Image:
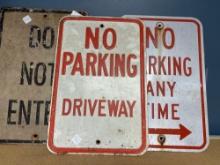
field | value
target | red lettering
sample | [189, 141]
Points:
[131, 69]
[161, 66]
[92, 64]
[101, 107]
[77, 104]
[131, 107]
[152, 110]
[102, 64]
[150, 36]
[171, 86]
[174, 111]
[98, 108]
[122, 110]
[113, 107]
[152, 65]
[167, 65]
[85, 107]
[67, 60]
[160, 86]
[187, 70]
[172, 38]
[91, 60]
[120, 65]
[106, 33]
[90, 36]
[177, 65]
[111, 70]
[92, 106]
[150, 88]
[66, 107]
[155, 37]
[78, 65]
[162, 111]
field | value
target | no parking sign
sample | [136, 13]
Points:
[98, 99]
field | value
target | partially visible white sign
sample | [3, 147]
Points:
[75, 13]
[98, 100]
[175, 84]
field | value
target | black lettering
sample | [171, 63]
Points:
[26, 72]
[36, 72]
[42, 77]
[23, 111]
[48, 41]
[52, 70]
[10, 112]
[47, 110]
[38, 103]
[34, 41]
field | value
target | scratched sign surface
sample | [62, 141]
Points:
[175, 84]
[98, 103]
[26, 67]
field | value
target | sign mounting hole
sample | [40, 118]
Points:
[161, 139]
[160, 25]
[101, 26]
[35, 136]
[98, 142]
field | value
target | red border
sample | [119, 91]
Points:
[200, 52]
[51, 145]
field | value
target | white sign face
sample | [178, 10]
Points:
[98, 99]
[175, 84]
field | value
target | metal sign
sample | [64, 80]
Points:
[175, 84]
[98, 100]
[27, 62]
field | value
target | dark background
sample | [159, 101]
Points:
[208, 12]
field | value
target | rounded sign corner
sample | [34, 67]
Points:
[51, 147]
[196, 21]
[204, 145]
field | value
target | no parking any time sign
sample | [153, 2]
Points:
[98, 99]
[175, 84]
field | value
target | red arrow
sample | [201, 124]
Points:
[182, 131]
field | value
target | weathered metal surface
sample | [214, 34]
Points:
[27, 49]
[176, 88]
[98, 103]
